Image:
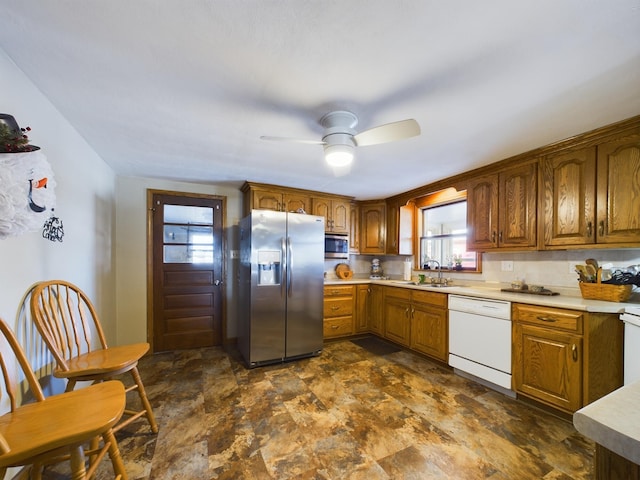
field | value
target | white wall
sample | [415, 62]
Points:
[131, 250]
[85, 203]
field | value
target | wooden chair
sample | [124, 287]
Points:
[56, 428]
[69, 325]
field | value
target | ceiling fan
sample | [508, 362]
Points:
[339, 138]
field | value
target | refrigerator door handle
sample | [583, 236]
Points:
[289, 266]
[285, 267]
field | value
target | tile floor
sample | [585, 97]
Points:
[352, 413]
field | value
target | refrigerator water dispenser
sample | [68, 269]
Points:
[268, 267]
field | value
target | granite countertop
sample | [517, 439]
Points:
[613, 421]
[493, 291]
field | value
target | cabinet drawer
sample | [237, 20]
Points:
[338, 291]
[338, 307]
[569, 320]
[398, 292]
[430, 298]
[336, 327]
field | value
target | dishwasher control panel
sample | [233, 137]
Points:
[481, 306]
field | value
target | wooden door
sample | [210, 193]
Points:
[517, 213]
[618, 214]
[376, 309]
[322, 207]
[354, 228]
[372, 228]
[340, 212]
[429, 331]
[294, 202]
[362, 308]
[482, 213]
[547, 366]
[569, 198]
[267, 200]
[397, 316]
[392, 227]
[187, 270]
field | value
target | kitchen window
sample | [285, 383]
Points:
[442, 230]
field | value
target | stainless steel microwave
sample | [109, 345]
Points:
[336, 246]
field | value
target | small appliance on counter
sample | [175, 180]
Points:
[376, 269]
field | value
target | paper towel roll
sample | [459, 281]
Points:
[407, 271]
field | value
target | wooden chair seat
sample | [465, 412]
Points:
[69, 325]
[66, 419]
[104, 362]
[57, 428]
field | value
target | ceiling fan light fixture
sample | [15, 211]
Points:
[338, 155]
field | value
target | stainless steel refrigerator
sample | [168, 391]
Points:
[281, 286]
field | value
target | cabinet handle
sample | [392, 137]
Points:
[574, 352]
[500, 236]
[493, 237]
[406, 312]
[335, 308]
[546, 319]
[334, 327]
[601, 228]
[589, 229]
[335, 292]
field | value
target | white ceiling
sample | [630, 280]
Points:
[183, 89]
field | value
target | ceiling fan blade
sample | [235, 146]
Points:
[292, 140]
[389, 132]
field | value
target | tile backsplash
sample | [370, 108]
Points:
[548, 268]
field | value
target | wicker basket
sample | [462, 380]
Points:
[605, 291]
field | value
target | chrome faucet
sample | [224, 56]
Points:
[439, 269]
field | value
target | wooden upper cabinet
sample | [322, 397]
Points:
[568, 198]
[354, 228]
[517, 202]
[591, 196]
[336, 212]
[618, 191]
[372, 228]
[482, 213]
[393, 227]
[280, 200]
[501, 209]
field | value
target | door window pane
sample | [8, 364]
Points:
[189, 215]
[188, 234]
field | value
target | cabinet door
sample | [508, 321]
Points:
[340, 214]
[482, 213]
[362, 308]
[397, 320]
[517, 213]
[392, 227]
[569, 198]
[372, 229]
[618, 191]
[376, 309]
[266, 200]
[429, 332]
[293, 202]
[354, 228]
[547, 366]
[322, 207]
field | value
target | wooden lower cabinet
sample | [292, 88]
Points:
[363, 303]
[611, 466]
[564, 358]
[376, 310]
[429, 324]
[418, 320]
[339, 302]
[397, 315]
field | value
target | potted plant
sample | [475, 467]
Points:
[457, 260]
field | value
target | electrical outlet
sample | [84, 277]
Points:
[507, 266]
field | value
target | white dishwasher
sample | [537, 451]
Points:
[480, 339]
